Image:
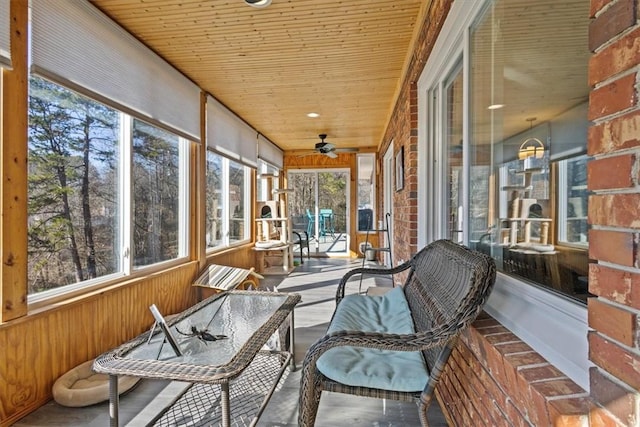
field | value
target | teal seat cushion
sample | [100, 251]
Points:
[402, 371]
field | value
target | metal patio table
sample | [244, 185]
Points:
[248, 319]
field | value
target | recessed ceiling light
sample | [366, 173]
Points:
[258, 3]
[313, 115]
[495, 106]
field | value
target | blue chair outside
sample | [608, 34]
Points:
[326, 222]
[310, 223]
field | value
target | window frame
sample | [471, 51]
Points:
[125, 214]
[262, 184]
[553, 325]
[562, 207]
[373, 191]
[225, 241]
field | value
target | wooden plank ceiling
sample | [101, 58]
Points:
[343, 59]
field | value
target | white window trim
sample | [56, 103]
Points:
[125, 221]
[563, 194]
[552, 325]
[184, 202]
[373, 192]
[225, 241]
[5, 34]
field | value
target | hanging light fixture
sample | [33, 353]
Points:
[258, 3]
[531, 147]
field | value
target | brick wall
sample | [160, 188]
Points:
[614, 211]
[493, 378]
[402, 131]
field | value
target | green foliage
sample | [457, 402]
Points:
[72, 150]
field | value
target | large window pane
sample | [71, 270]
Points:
[453, 141]
[366, 191]
[237, 202]
[214, 202]
[572, 182]
[156, 194]
[73, 233]
[227, 204]
[264, 185]
[527, 110]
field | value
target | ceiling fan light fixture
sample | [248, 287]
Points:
[258, 3]
[531, 147]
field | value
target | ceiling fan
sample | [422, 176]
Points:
[328, 149]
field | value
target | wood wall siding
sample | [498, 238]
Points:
[39, 347]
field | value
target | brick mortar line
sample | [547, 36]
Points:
[530, 366]
[615, 38]
[617, 114]
[615, 304]
[615, 380]
[618, 267]
[609, 191]
[616, 153]
[567, 396]
[604, 227]
[604, 8]
[617, 76]
[632, 350]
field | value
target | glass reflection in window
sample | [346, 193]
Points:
[527, 207]
[156, 194]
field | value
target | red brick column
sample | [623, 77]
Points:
[614, 211]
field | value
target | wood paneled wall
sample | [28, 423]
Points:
[38, 348]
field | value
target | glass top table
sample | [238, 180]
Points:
[247, 319]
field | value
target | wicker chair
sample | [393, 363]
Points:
[446, 288]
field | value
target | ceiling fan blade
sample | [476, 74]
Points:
[331, 154]
[310, 153]
[346, 150]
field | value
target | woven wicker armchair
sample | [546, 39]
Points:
[446, 288]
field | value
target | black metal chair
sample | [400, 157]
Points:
[302, 241]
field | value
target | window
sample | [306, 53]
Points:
[453, 140]
[73, 181]
[503, 124]
[89, 171]
[265, 187]
[239, 207]
[228, 206]
[572, 209]
[518, 130]
[366, 191]
[214, 202]
[156, 195]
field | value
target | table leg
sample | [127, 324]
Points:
[225, 405]
[292, 343]
[113, 401]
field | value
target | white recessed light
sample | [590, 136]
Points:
[258, 3]
[495, 106]
[313, 115]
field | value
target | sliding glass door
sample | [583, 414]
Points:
[318, 205]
